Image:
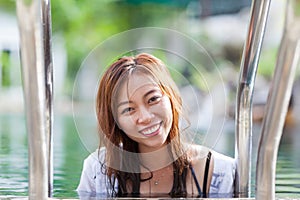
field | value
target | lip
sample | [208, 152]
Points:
[151, 130]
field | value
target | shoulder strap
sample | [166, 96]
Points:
[195, 179]
[206, 174]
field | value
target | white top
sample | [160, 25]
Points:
[94, 182]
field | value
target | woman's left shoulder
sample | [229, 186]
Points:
[222, 159]
[197, 152]
[224, 172]
[221, 162]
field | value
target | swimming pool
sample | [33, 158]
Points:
[69, 153]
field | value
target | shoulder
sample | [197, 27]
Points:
[97, 157]
[92, 165]
[223, 174]
[201, 160]
[197, 152]
[224, 164]
[222, 169]
[222, 159]
[92, 173]
[221, 162]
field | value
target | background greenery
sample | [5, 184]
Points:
[84, 24]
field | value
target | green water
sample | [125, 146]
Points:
[69, 152]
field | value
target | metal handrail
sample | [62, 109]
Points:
[243, 116]
[35, 38]
[277, 104]
[46, 19]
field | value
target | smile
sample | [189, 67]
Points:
[153, 130]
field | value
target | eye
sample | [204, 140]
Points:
[127, 110]
[154, 99]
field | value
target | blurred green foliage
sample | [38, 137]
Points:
[8, 5]
[84, 25]
[267, 63]
[4, 59]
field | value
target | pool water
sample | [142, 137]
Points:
[69, 153]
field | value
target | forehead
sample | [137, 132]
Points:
[136, 84]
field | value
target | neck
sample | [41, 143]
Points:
[156, 160]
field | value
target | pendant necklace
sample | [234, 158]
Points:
[155, 181]
[159, 178]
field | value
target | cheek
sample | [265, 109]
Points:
[125, 123]
[165, 110]
[168, 107]
[121, 123]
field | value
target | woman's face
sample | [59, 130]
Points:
[144, 113]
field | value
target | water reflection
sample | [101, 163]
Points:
[68, 156]
[69, 153]
[287, 172]
[13, 156]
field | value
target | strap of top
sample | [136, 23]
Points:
[195, 179]
[206, 174]
[204, 194]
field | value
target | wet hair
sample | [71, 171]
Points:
[120, 166]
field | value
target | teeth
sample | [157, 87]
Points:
[151, 130]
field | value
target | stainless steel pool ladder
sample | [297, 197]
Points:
[35, 31]
[34, 20]
[277, 103]
[243, 116]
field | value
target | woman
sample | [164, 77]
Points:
[138, 110]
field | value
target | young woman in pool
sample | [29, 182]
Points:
[138, 110]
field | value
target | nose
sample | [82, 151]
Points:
[144, 115]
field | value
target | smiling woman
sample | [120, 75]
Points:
[146, 113]
[139, 109]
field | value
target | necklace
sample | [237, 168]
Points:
[159, 175]
[156, 177]
[156, 181]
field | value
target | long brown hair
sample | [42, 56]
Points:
[117, 143]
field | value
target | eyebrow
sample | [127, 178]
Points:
[150, 91]
[127, 102]
[123, 103]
